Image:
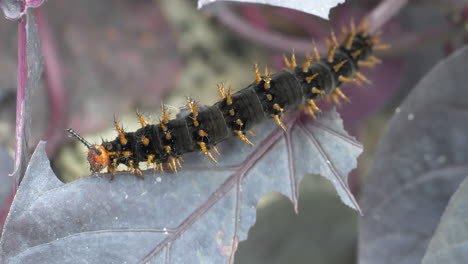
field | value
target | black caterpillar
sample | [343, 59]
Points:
[269, 96]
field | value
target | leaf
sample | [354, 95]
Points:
[449, 243]
[12, 9]
[6, 182]
[194, 216]
[418, 166]
[318, 8]
[7, 185]
[29, 74]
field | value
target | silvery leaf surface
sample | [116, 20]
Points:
[320, 8]
[197, 215]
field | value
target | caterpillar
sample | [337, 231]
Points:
[268, 96]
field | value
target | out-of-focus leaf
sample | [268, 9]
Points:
[6, 182]
[7, 185]
[450, 241]
[12, 8]
[320, 8]
[197, 215]
[29, 74]
[418, 166]
[91, 43]
[365, 100]
[324, 230]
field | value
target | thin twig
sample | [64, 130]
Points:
[274, 41]
[385, 11]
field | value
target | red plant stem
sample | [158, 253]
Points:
[306, 22]
[256, 18]
[54, 78]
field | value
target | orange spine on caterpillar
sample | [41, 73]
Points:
[268, 96]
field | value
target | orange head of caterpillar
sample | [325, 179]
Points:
[98, 157]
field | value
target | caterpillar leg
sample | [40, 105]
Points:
[335, 98]
[112, 171]
[278, 121]
[178, 162]
[276, 117]
[149, 161]
[336, 95]
[138, 173]
[112, 168]
[308, 110]
[241, 135]
[159, 167]
[311, 108]
[339, 93]
[204, 149]
[312, 104]
[172, 163]
[216, 151]
[135, 170]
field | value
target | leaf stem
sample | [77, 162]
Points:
[20, 135]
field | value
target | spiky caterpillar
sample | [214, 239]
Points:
[269, 96]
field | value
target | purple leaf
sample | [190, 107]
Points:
[29, 74]
[418, 166]
[197, 215]
[320, 8]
